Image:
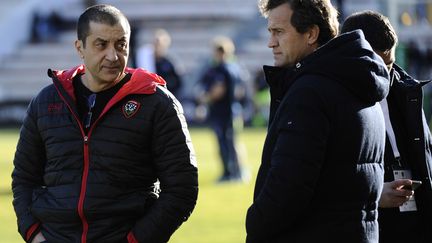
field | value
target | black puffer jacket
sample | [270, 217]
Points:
[322, 164]
[414, 143]
[99, 187]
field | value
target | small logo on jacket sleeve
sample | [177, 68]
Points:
[130, 108]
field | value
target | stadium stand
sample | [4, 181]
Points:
[191, 23]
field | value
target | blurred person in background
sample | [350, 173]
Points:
[154, 57]
[163, 64]
[403, 215]
[104, 153]
[223, 88]
[261, 100]
[322, 171]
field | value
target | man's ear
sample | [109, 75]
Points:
[79, 47]
[313, 34]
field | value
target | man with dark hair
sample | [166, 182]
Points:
[322, 164]
[104, 153]
[403, 216]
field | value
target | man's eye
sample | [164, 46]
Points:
[100, 45]
[122, 45]
[275, 32]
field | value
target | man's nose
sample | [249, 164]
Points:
[111, 54]
[271, 42]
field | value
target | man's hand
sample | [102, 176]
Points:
[393, 195]
[38, 238]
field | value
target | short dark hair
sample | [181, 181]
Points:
[306, 14]
[376, 28]
[102, 13]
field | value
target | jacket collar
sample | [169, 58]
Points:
[279, 79]
[141, 82]
[398, 76]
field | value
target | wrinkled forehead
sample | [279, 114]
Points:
[107, 31]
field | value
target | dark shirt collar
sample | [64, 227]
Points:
[82, 94]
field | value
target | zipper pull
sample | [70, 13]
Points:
[85, 139]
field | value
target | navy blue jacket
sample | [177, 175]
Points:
[99, 186]
[414, 143]
[220, 110]
[321, 172]
[165, 68]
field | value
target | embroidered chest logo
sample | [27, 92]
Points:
[55, 108]
[130, 108]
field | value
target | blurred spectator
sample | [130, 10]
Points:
[48, 21]
[145, 58]
[261, 100]
[163, 64]
[222, 92]
[46, 26]
[133, 44]
[154, 58]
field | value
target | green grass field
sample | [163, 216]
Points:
[221, 208]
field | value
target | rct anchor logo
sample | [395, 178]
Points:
[130, 108]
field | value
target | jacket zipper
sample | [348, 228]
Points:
[85, 170]
[83, 191]
[86, 138]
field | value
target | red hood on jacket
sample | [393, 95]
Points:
[141, 82]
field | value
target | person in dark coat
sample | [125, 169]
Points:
[104, 154]
[220, 81]
[163, 64]
[321, 171]
[405, 215]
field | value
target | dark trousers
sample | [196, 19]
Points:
[226, 138]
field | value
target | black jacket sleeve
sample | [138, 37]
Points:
[175, 163]
[28, 170]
